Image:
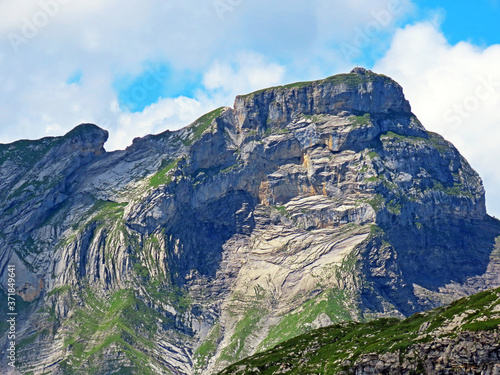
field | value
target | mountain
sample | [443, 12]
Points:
[461, 338]
[303, 206]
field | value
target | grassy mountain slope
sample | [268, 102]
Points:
[401, 345]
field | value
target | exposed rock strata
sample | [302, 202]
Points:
[303, 205]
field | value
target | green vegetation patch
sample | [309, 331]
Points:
[351, 80]
[59, 290]
[209, 346]
[202, 124]
[274, 131]
[124, 321]
[488, 325]
[373, 154]
[313, 118]
[330, 302]
[101, 212]
[358, 121]
[457, 189]
[376, 202]
[373, 179]
[107, 208]
[163, 176]
[282, 210]
[245, 327]
[439, 142]
[394, 137]
[394, 207]
[27, 152]
[231, 168]
[320, 351]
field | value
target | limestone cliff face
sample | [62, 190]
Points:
[301, 206]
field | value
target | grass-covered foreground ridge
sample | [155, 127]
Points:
[342, 347]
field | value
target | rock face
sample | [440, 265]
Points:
[468, 353]
[302, 206]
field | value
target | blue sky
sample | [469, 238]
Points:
[473, 21]
[157, 80]
[139, 67]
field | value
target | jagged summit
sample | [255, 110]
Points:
[302, 206]
[88, 133]
[86, 128]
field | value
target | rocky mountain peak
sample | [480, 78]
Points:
[361, 71]
[88, 137]
[356, 93]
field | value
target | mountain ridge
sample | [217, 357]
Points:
[300, 207]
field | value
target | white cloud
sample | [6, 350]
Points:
[14, 13]
[222, 82]
[455, 91]
[248, 72]
[165, 114]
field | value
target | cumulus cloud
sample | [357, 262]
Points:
[169, 113]
[455, 91]
[248, 72]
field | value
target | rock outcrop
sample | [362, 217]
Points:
[302, 206]
[467, 353]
